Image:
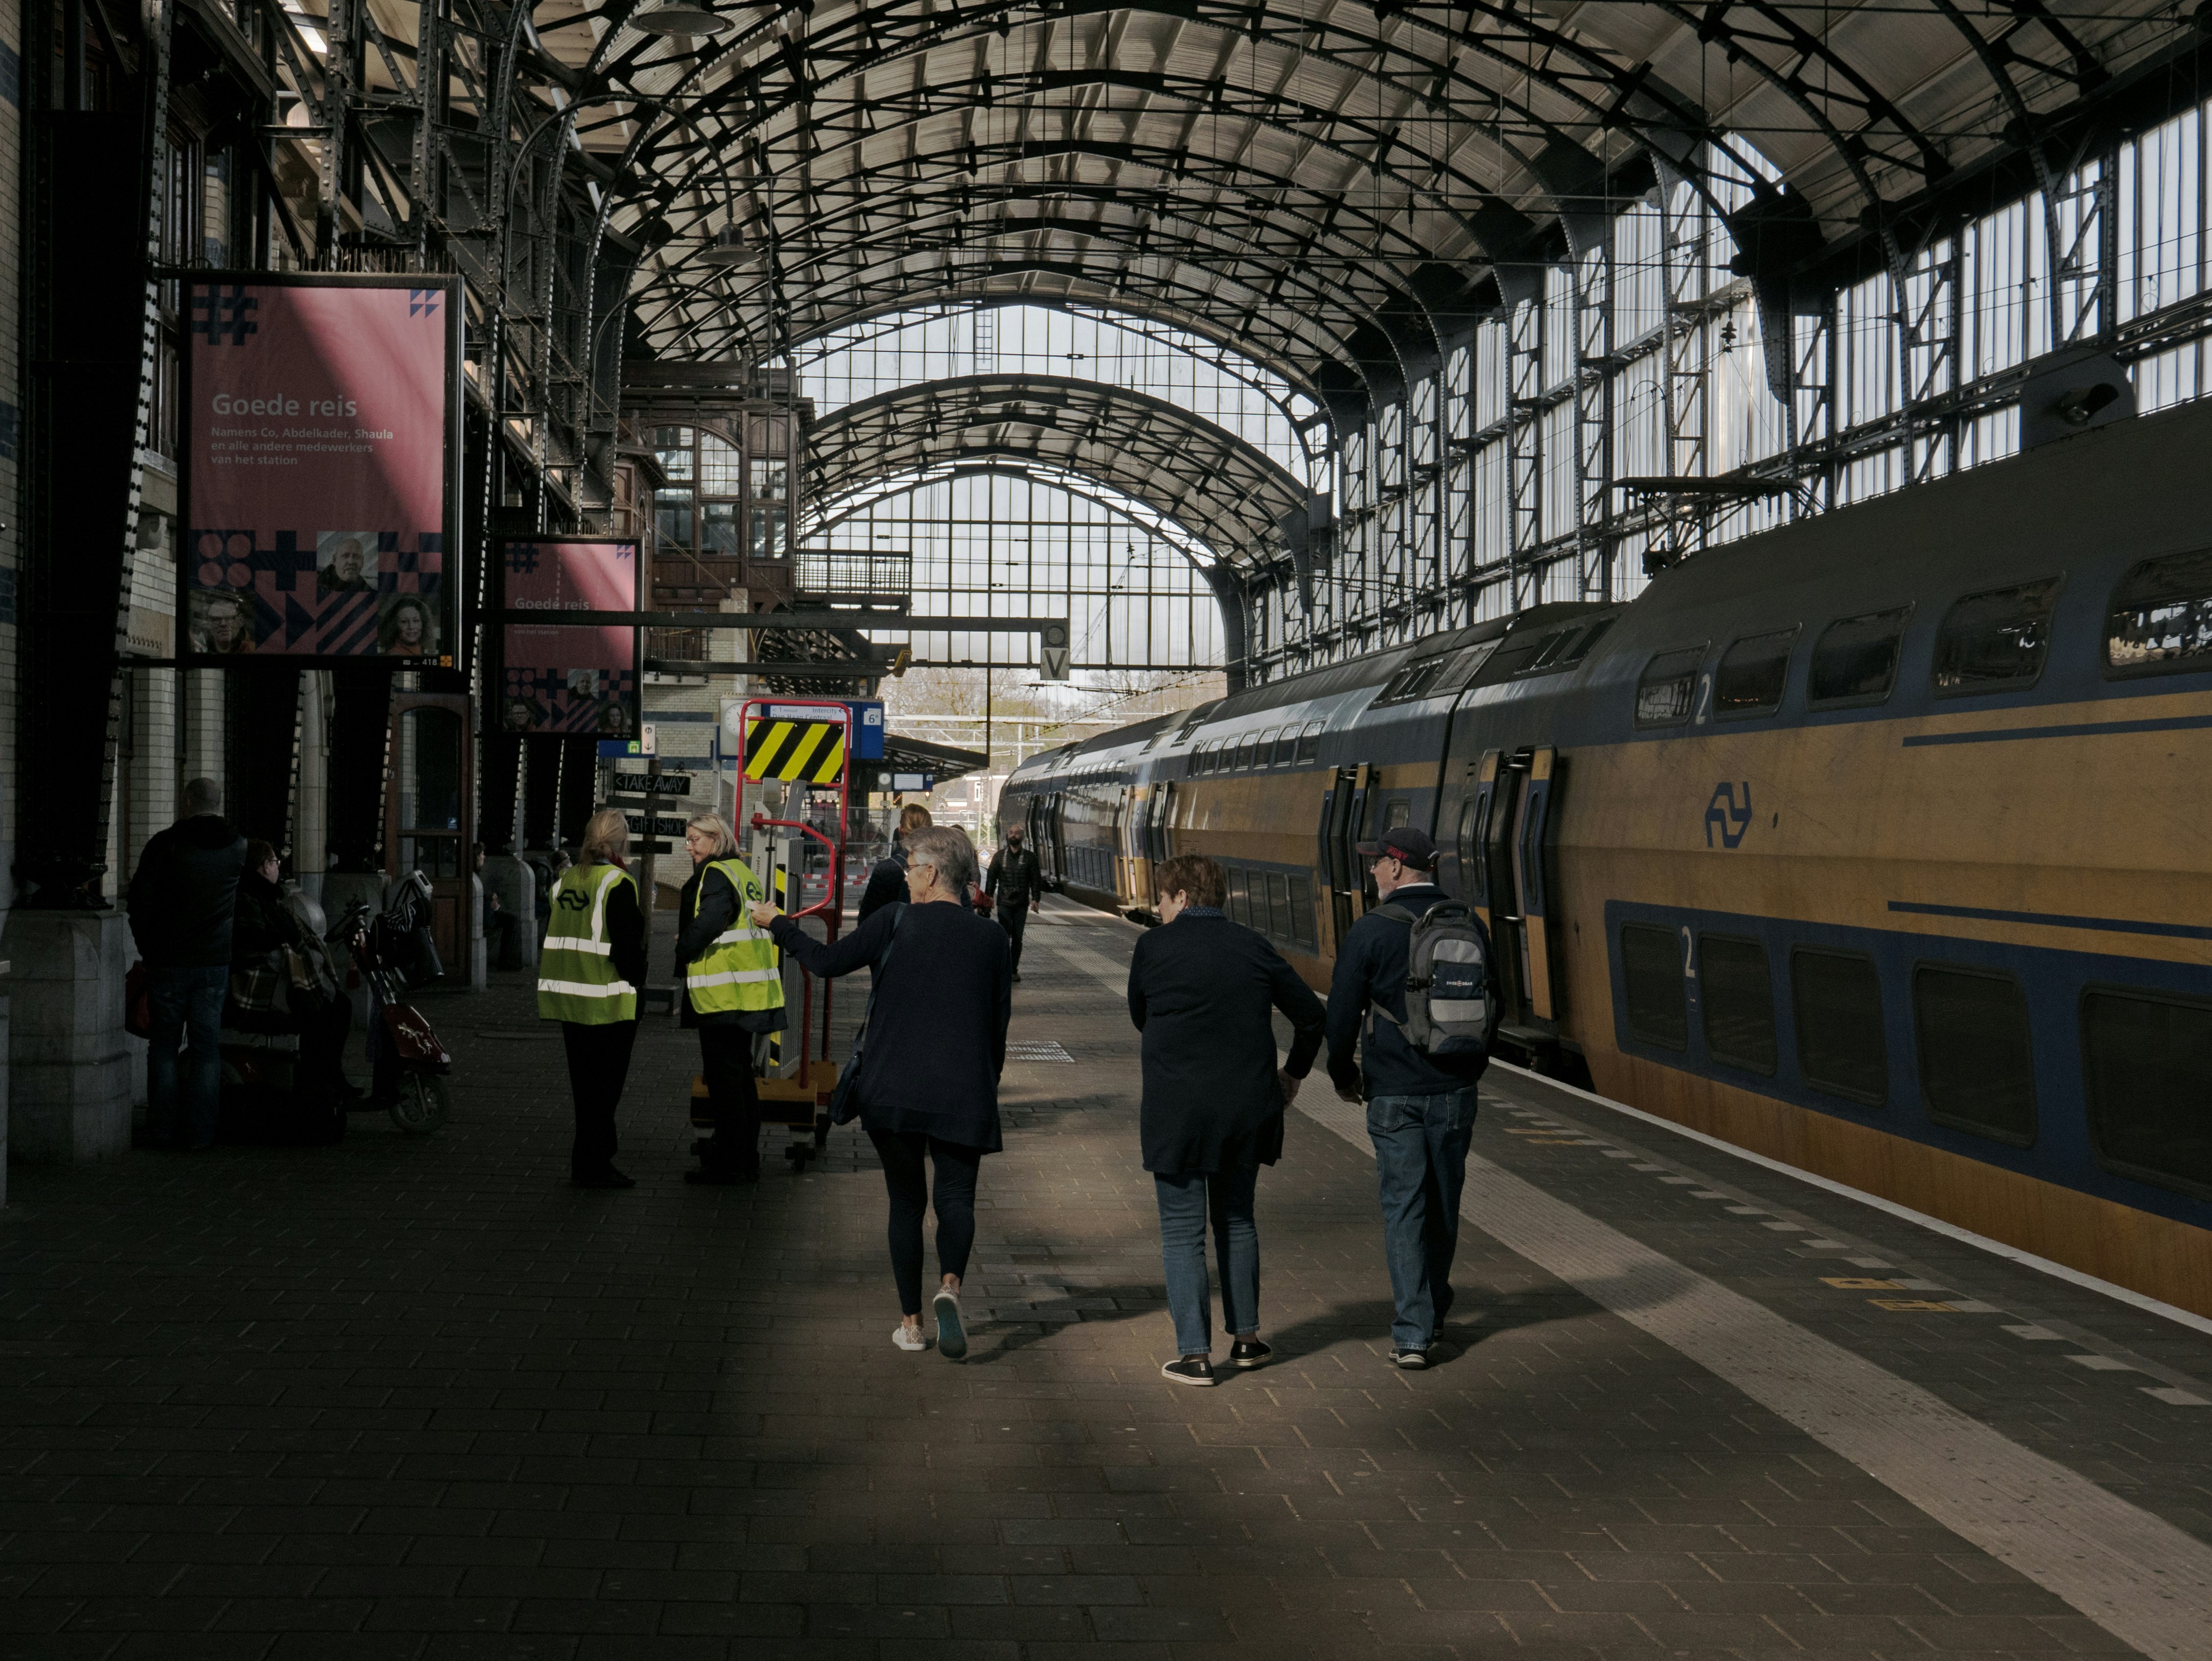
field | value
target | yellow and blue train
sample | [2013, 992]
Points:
[1881, 844]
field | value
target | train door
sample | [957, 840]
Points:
[1343, 808]
[1515, 809]
[429, 812]
[1501, 805]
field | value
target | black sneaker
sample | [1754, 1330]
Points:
[1190, 1370]
[608, 1178]
[1412, 1360]
[1249, 1353]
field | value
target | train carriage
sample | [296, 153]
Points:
[1877, 844]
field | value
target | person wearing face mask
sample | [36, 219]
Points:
[933, 1044]
[1016, 882]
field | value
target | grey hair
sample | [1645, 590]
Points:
[202, 796]
[945, 849]
[726, 842]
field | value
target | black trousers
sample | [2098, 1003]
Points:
[598, 1066]
[1013, 920]
[726, 1056]
[908, 1182]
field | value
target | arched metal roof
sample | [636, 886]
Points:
[1333, 187]
[1215, 486]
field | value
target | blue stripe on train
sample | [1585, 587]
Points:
[2053, 981]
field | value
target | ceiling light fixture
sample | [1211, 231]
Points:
[674, 17]
[728, 247]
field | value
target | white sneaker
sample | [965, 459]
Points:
[951, 1338]
[909, 1339]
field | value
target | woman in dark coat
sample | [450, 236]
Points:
[941, 994]
[1200, 989]
[708, 907]
[263, 931]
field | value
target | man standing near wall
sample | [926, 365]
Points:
[182, 901]
[1015, 882]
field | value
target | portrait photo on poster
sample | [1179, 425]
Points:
[221, 621]
[318, 413]
[406, 627]
[346, 563]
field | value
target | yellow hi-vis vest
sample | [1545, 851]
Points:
[576, 977]
[739, 970]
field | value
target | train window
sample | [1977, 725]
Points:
[1976, 1068]
[1467, 666]
[1651, 972]
[1753, 674]
[1841, 1049]
[1856, 657]
[1738, 998]
[1670, 683]
[2146, 1058]
[1399, 812]
[1240, 895]
[1278, 903]
[1265, 755]
[1301, 913]
[1995, 640]
[2160, 622]
[1309, 742]
[1287, 747]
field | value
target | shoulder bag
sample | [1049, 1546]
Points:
[845, 1100]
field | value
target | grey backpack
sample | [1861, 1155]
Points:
[1451, 996]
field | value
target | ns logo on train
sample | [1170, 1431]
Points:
[1727, 815]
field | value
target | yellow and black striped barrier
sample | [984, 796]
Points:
[812, 751]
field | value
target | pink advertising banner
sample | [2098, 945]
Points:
[319, 468]
[569, 678]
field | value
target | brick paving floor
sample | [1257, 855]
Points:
[418, 1399]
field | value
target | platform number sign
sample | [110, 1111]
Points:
[1053, 652]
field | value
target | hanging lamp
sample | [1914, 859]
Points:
[675, 17]
[728, 246]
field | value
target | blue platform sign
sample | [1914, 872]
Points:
[868, 728]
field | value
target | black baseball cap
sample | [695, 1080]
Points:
[1416, 848]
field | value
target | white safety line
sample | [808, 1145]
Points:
[1950, 1231]
[2141, 1578]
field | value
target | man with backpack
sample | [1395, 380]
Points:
[1415, 973]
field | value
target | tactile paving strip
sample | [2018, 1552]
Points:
[1048, 1050]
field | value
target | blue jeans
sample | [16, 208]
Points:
[1186, 1200]
[184, 1004]
[1421, 1165]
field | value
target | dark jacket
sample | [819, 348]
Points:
[937, 1035]
[185, 892]
[1201, 990]
[886, 883]
[718, 910]
[1015, 878]
[625, 935]
[1370, 968]
[262, 923]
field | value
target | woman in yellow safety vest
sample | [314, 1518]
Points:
[589, 971]
[733, 989]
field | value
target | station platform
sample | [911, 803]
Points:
[419, 1400]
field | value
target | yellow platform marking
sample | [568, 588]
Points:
[1919, 1306]
[1859, 1283]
